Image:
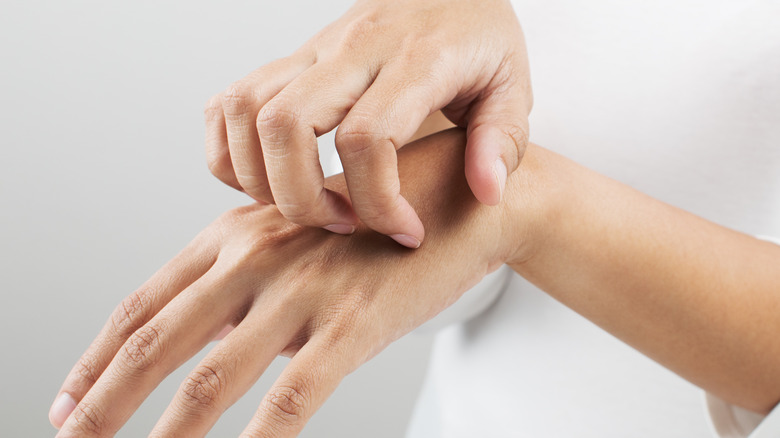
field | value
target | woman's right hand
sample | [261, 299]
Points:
[377, 73]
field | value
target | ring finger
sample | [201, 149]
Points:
[228, 371]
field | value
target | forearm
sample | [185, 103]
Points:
[700, 299]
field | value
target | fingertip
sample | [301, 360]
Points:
[411, 232]
[486, 172]
[340, 228]
[406, 240]
[63, 405]
[344, 219]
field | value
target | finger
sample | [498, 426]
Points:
[217, 152]
[308, 380]
[132, 313]
[381, 122]
[224, 332]
[176, 333]
[497, 137]
[241, 102]
[313, 104]
[228, 371]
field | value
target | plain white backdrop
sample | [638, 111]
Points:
[103, 179]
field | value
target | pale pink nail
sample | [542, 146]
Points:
[61, 408]
[340, 228]
[499, 169]
[406, 240]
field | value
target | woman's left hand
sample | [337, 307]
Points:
[329, 301]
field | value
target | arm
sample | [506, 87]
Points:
[333, 301]
[698, 298]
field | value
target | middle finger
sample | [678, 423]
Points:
[288, 125]
[229, 370]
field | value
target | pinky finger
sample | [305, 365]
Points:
[307, 381]
[217, 152]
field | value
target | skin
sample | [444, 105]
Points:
[704, 306]
[377, 73]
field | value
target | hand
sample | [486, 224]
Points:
[332, 302]
[377, 73]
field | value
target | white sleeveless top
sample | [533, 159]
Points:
[679, 99]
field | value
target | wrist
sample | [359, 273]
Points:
[535, 200]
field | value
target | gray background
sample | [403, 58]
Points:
[103, 179]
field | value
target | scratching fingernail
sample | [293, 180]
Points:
[406, 240]
[340, 228]
[499, 169]
[62, 407]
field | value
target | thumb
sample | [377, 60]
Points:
[497, 137]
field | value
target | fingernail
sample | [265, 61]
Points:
[61, 408]
[499, 169]
[406, 240]
[340, 228]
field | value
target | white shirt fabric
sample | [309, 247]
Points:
[679, 99]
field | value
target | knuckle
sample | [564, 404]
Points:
[286, 404]
[380, 206]
[90, 420]
[144, 347]
[253, 254]
[213, 108]
[519, 137]
[218, 162]
[425, 53]
[238, 99]
[345, 324]
[302, 211]
[364, 26]
[361, 32]
[255, 185]
[87, 369]
[131, 313]
[275, 121]
[356, 136]
[204, 386]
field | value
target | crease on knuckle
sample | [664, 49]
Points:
[238, 99]
[90, 420]
[519, 137]
[356, 137]
[286, 404]
[304, 210]
[218, 164]
[144, 347]
[361, 30]
[204, 385]
[276, 120]
[255, 185]
[87, 369]
[344, 326]
[380, 206]
[213, 108]
[131, 312]
[255, 249]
